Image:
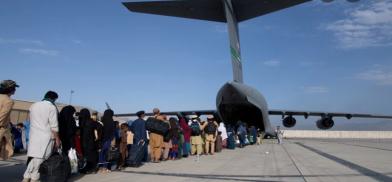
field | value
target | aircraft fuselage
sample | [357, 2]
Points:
[239, 102]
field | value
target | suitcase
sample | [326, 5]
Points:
[218, 144]
[113, 154]
[231, 141]
[56, 168]
[157, 126]
[136, 154]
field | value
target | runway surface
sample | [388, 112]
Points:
[294, 160]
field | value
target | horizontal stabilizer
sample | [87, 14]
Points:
[212, 10]
[247, 9]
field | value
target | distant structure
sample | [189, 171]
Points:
[20, 111]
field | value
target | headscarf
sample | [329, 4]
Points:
[222, 129]
[67, 125]
[174, 129]
[173, 123]
[84, 115]
[67, 113]
[186, 130]
[108, 124]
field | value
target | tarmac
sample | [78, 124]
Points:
[294, 160]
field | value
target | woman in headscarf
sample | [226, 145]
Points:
[67, 128]
[89, 141]
[108, 130]
[186, 130]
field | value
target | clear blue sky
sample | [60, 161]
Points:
[315, 56]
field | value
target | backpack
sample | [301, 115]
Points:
[195, 128]
[211, 128]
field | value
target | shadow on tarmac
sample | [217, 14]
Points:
[240, 177]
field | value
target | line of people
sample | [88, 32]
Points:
[102, 143]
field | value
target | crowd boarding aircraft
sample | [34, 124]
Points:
[236, 101]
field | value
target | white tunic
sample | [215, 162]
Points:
[43, 120]
[222, 129]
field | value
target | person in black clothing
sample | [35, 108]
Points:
[89, 141]
[67, 128]
[107, 137]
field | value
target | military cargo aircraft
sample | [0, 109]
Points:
[236, 101]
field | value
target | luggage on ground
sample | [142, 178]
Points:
[157, 126]
[231, 141]
[218, 143]
[113, 154]
[136, 154]
[56, 168]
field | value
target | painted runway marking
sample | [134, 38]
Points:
[295, 164]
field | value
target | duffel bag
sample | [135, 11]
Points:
[56, 168]
[157, 126]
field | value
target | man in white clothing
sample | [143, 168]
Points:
[279, 134]
[43, 134]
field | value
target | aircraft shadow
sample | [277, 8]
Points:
[240, 177]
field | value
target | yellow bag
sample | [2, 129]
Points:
[129, 137]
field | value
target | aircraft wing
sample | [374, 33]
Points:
[282, 113]
[306, 114]
[177, 113]
[212, 10]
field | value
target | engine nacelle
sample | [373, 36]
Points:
[289, 121]
[325, 123]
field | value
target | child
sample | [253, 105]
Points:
[173, 154]
[123, 144]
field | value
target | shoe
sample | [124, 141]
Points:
[26, 180]
[107, 171]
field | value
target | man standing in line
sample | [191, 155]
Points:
[196, 140]
[7, 89]
[43, 134]
[138, 128]
[156, 140]
[211, 133]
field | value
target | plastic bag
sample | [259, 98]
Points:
[73, 160]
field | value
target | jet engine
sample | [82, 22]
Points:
[325, 123]
[289, 121]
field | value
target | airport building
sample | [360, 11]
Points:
[20, 110]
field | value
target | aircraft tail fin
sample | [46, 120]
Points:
[230, 11]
